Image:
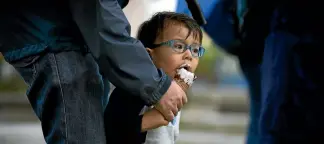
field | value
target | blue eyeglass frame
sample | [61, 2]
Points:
[171, 42]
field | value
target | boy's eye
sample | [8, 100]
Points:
[196, 51]
[179, 46]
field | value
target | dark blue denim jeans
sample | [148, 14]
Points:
[66, 92]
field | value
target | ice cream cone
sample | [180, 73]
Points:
[183, 85]
[184, 79]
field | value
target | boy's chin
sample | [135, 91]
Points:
[173, 75]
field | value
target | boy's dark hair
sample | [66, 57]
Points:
[152, 28]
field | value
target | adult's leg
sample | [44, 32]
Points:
[292, 89]
[252, 74]
[65, 90]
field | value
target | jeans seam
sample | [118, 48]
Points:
[34, 69]
[60, 85]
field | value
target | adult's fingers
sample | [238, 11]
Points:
[169, 116]
[174, 110]
[184, 99]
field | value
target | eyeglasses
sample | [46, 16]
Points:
[179, 46]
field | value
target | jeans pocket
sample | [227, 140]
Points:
[25, 62]
[26, 67]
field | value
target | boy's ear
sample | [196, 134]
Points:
[149, 51]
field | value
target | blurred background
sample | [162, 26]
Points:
[217, 112]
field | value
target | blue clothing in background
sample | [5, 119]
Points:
[292, 77]
[221, 28]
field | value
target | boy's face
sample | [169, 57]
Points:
[166, 58]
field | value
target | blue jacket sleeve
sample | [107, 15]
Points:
[248, 42]
[121, 58]
[221, 28]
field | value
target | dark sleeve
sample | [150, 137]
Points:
[122, 120]
[142, 135]
[121, 58]
[123, 3]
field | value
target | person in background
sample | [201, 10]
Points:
[284, 38]
[230, 25]
[64, 49]
[292, 80]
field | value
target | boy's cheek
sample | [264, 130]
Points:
[195, 65]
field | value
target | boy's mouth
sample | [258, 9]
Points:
[186, 67]
[184, 74]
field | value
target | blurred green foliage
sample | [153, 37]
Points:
[13, 83]
[207, 63]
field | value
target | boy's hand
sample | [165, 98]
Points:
[153, 119]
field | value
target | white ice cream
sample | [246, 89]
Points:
[188, 77]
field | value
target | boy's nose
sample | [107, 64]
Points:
[187, 55]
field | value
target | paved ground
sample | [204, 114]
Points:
[196, 118]
[30, 133]
[21, 133]
[195, 133]
[195, 137]
[204, 116]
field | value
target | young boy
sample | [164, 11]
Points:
[173, 41]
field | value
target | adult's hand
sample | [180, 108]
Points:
[172, 101]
